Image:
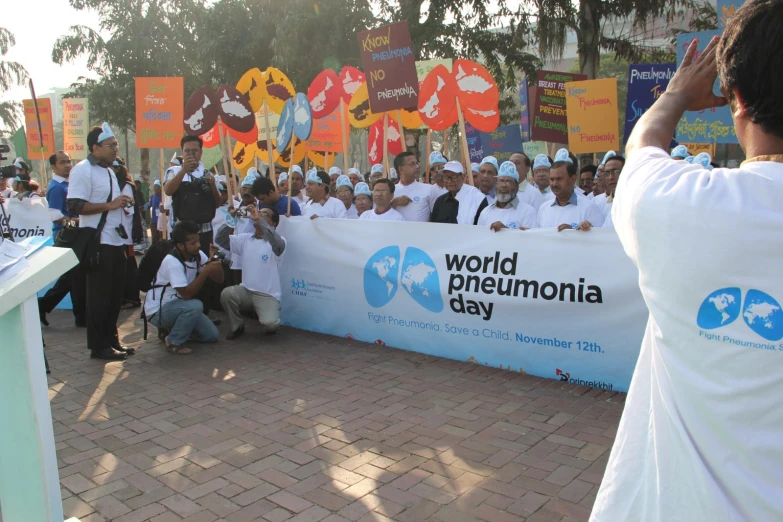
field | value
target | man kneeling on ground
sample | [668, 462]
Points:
[171, 304]
[258, 256]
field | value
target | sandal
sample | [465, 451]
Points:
[177, 350]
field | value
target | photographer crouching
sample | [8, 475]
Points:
[258, 255]
[173, 302]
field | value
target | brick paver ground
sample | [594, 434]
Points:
[306, 427]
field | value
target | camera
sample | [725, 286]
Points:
[218, 256]
[121, 232]
[9, 171]
[243, 212]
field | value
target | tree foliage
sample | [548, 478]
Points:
[11, 74]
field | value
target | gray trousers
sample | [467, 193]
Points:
[238, 299]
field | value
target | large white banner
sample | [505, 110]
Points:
[564, 305]
[27, 218]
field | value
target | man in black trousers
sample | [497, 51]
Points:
[94, 195]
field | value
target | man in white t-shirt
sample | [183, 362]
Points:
[382, 195]
[541, 167]
[528, 193]
[507, 211]
[355, 175]
[600, 200]
[171, 304]
[258, 255]
[437, 163]
[413, 199]
[567, 210]
[297, 189]
[321, 204]
[700, 436]
[94, 195]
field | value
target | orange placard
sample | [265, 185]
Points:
[160, 104]
[591, 112]
[326, 135]
[47, 128]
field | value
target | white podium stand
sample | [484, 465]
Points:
[29, 481]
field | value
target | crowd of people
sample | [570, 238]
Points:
[225, 254]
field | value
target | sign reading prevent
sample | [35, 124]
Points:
[549, 121]
[390, 66]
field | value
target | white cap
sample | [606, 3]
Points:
[454, 166]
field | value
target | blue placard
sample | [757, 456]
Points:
[646, 83]
[502, 143]
[710, 125]
[474, 143]
[726, 9]
[524, 111]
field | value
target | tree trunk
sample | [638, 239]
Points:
[589, 37]
[145, 165]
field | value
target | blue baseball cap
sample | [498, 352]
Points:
[344, 181]
[562, 155]
[541, 161]
[312, 175]
[703, 159]
[492, 160]
[436, 157]
[335, 170]
[508, 170]
[297, 169]
[475, 167]
[356, 171]
[680, 151]
[376, 169]
[362, 188]
[283, 177]
[609, 155]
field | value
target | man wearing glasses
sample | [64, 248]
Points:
[461, 201]
[194, 194]
[612, 169]
[412, 199]
[94, 195]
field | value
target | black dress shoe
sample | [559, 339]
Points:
[42, 317]
[236, 333]
[126, 351]
[109, 355]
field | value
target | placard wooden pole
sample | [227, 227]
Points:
[427, 157]
[291, 171]
[346, 134]
[226, 168]
[445, 150]
[269, 146]
[44, 183]
[464, 145]
[385, 139]
[164, 230]
[402, 131]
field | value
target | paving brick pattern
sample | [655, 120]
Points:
[304, 427]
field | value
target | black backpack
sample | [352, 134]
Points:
[193, 201]
[150, 263]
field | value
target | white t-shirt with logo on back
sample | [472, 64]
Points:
[700, 436]
[172, 272]
[422, 197]
[259, 264]
[389, 215]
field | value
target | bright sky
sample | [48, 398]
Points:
[37, 24]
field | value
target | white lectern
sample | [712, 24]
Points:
[29, 481]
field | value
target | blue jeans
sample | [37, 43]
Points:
[185, 320]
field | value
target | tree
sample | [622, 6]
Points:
[147, 38]
[589, 19]
[11, 74]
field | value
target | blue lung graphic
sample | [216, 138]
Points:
[762, 313]
[381, 274]
[420, 279]
[720, 308]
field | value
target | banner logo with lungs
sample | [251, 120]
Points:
[384, 273]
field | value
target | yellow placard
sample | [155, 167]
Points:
[591, 107]
[34, 142]
[695, 148]
[76, 125]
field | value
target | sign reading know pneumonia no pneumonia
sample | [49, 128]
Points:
[390, 66]
[470, 294]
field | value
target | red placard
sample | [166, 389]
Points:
[324, 93]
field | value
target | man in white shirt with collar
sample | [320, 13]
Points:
[321, 204]
[93, 192]
[613, 166]
[461, 201]
[487, 173]
[413, 199]
[437, 163]
[297, 190]
[528, 193]
[541, 167]
[507, 211]
[567, 210]
[382, 194]
[601, 181]
[700, 435]
[258, 256]
[194, 193]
